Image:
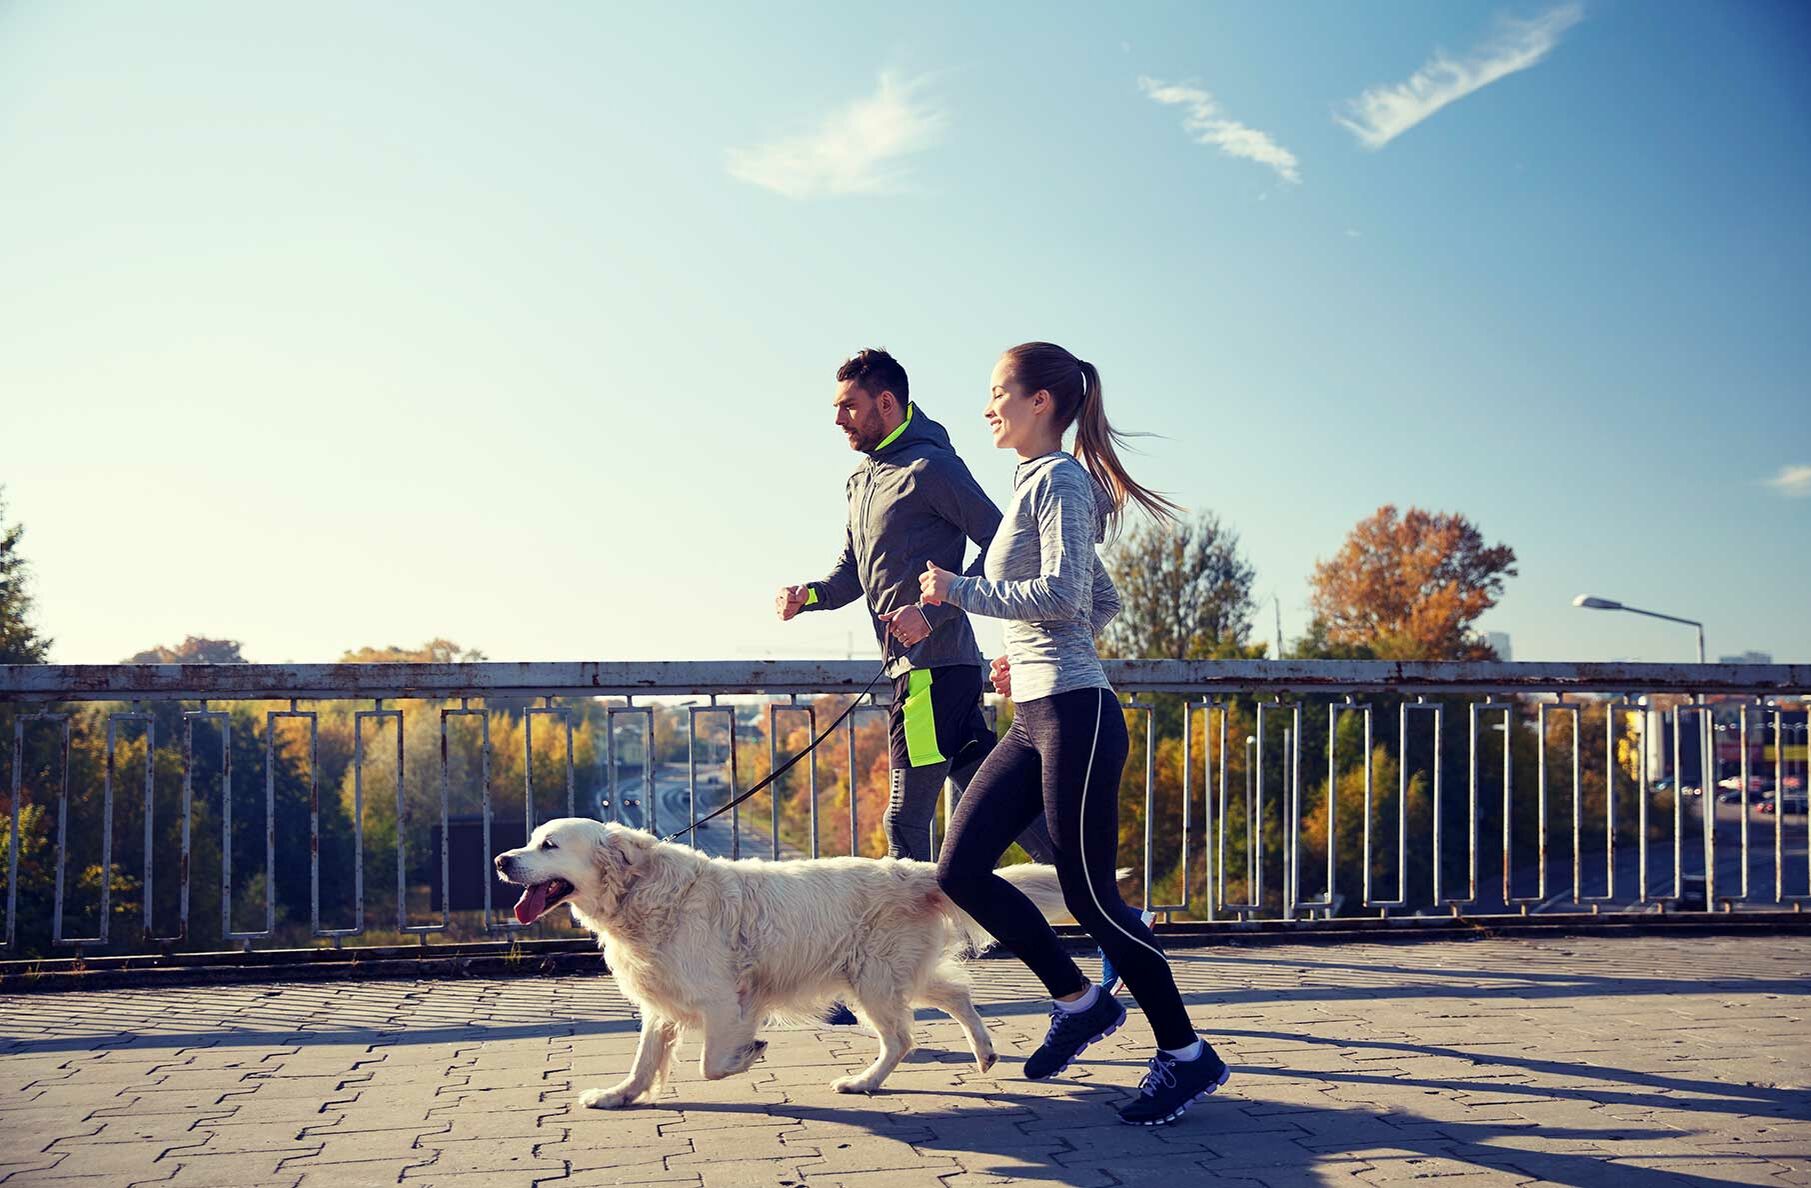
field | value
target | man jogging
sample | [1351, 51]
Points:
[911, 501]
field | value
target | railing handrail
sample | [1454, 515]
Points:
[1663, 713]
[239, 682]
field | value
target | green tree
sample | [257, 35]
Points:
[194, 649]
[1184, 590]
[435, 651]
[1185, 594]
[20, 642]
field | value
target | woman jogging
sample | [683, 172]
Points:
[1063, 754]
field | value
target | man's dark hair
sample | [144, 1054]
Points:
[874, 372]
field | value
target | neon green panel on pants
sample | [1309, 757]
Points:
[920, 720]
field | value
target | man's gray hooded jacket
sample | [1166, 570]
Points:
[910, 501]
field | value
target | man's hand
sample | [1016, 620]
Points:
[934, 584]
[790, 601]
[908, 624]
[1000, 673]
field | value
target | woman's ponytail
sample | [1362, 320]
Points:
[1095, 438]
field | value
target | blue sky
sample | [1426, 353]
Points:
[343, 324]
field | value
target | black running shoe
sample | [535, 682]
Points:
[1070, 1032]
[1173, 1085]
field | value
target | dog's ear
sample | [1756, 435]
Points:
[619, 852]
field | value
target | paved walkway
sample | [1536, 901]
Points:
[1633, 1062]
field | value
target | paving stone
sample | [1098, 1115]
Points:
[376, 1174]
[481, 1155]
[881, 1178]
[232, 1171]
[581, 1156]
[984, 1173]
[22, 1168]
[110, 1162]
[361, 1147]
[713, 1146]
[836, 1156]
[507, 1124]
[656, 1172]
[747, 1173]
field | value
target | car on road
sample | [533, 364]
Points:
[1730, 790]
[1791, 802]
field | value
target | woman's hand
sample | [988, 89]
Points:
[1000, 672]
[934, 584]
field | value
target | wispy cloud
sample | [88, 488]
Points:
[855, 150]
[1383, 113]
[1203, 120]
[1792, 480]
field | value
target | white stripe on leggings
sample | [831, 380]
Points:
[1082, 829]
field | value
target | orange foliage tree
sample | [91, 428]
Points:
[1409, 586]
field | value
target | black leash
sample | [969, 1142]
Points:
[776, 773]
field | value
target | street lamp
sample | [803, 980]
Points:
[1592, 602]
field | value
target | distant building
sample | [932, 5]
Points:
[1747, 658]
[1499, 643]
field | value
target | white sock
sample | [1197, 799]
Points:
[1188, 1053]
[1088, 999]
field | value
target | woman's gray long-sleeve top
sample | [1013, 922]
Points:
[1042, 575]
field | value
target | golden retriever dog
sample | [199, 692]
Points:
[717, 946]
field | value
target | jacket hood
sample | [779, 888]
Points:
[917, 434]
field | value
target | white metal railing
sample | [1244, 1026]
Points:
[1684, 725]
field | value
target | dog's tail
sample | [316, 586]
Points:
[1038, 883]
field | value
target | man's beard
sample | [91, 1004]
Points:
[864, 440]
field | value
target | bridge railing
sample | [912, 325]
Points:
[1285, 791]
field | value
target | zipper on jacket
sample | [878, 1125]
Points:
[867, 501]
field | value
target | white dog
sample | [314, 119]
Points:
[706, 943]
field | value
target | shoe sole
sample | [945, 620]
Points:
[1225, 1076]
[1057, 1071]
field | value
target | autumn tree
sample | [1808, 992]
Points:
[1184, 589]
[1409, 586]
[20, 642]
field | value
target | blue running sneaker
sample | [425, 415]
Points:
[1172, 1086]
[840, 1016]
[1072, 1031]
[1109, 977]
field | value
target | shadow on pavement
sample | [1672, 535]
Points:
[1074, 1140]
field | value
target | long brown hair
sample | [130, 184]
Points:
[1075, 387]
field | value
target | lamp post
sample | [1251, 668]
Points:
[1707, 761]
[1592, 602]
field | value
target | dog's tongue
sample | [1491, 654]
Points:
[532, 903]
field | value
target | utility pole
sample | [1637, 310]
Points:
[1278, 603]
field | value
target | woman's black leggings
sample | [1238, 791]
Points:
[1062, 757]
